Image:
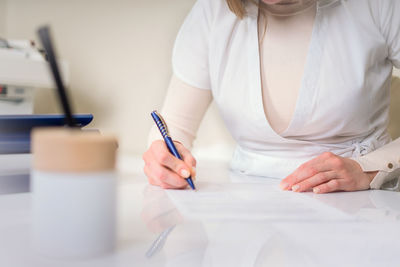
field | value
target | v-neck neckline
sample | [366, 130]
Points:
[308, 82]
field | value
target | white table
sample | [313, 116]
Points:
[370, 236]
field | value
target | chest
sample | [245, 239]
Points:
[344, 72]
[284, 43]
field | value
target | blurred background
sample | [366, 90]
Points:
[119, 61]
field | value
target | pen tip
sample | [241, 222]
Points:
[191, 184]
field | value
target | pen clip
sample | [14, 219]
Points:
[163, 122]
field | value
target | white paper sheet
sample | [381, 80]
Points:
[261, 201]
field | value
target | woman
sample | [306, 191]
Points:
[302, 85]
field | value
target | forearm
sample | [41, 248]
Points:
[183, 109]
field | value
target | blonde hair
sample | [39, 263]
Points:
[237, 7]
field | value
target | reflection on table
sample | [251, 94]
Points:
[156, 228]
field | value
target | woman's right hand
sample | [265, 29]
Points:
[164, 169]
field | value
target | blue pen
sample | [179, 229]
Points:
[162, 126]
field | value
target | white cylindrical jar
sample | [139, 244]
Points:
[74, 193]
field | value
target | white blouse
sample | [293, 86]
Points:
[343, 100]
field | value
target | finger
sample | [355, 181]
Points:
[167, 177]
[331, 186]
[322, 163]
[319, 178]
[302, 173]
[165, 158]
[187, 156]
[188, 159]
[155, 180]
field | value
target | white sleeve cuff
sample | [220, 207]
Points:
[386, 160]
[386, 181]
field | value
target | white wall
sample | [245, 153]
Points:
[2, 17]
[119, 53]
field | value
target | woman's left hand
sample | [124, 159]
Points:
[328, 173]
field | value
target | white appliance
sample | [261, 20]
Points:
[22, 69]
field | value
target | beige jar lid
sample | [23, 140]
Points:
[72, 150]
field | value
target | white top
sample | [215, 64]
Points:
[343, 101]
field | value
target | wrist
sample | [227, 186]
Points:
[371, 175]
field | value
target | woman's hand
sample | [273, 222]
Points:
[164, 169]
[328, 173]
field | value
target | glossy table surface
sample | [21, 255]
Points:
[363, 229]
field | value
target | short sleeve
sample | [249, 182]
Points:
[390, 27]
[190, 60]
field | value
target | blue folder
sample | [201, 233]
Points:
[15, 129]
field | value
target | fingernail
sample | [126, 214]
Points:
[316, 190]
[295, 187]
[284, 186]
[185, 173]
